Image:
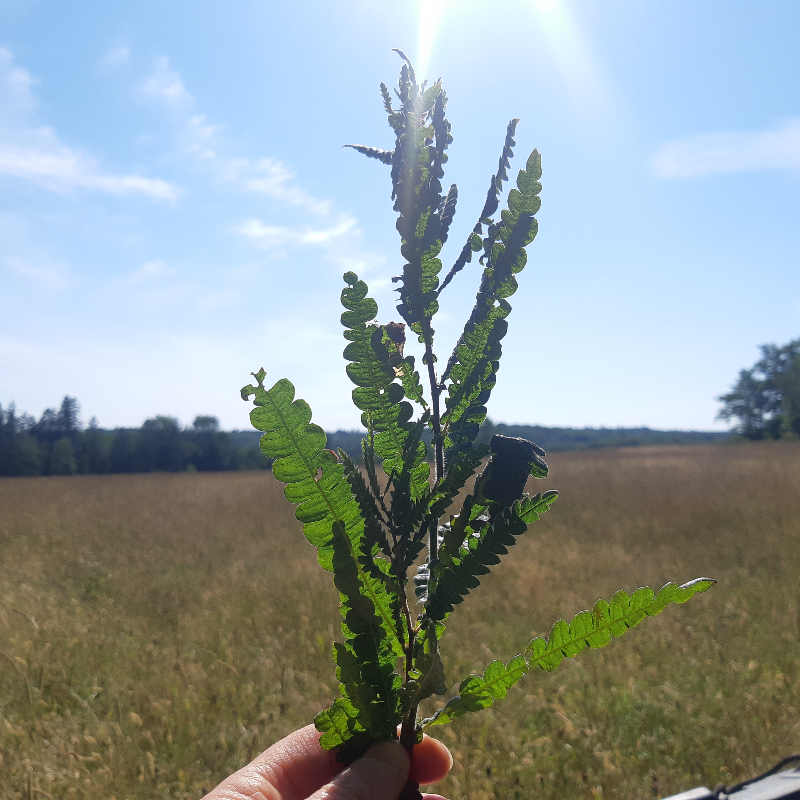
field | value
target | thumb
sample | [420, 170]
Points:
[380, 774]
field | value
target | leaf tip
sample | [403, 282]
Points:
[699, 584]
[401, 54]
[249, 390]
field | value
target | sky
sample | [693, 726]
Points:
[176, 208]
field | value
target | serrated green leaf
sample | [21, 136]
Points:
[474, 242]
[471, 370]
[454, 578]
[593, 628]
[374, 531]
[334, 523]
[424, 213]
[378, 394]
[607, 620]
[338, 724]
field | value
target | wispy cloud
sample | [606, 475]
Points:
[340, 243]
[272, 236]
[200, 138]
[34, 153]
[728, 152]
[273, 178]
[40, 158]
[165, 84]
[17, 99]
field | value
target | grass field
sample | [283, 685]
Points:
[156, 631]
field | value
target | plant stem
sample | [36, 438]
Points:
[436, 421]
[408, 731]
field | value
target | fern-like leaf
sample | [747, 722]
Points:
[406, 512]
[404, 368]
[374, 532]
[377, 392]
[367, 659]
[424, 215]
[473, 243]
[456, 477]
[472, 367]
[333, 522]
[596, 628]
[452, 579]
[313, 476]
[384, 156]
[339, 724]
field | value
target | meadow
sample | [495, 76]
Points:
[157, 631]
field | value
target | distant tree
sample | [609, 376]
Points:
[93, 450]
[58, 444]
[212, 450]
[19, 451]
[53, 424]
[766, 398]
[62, 459]
[28, 455]
[122, 453]
[205, 424]
[68, 418]
[162, 448]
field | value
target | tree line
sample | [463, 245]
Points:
[765, 401]
[58, 444]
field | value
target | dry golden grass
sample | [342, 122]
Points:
[156, 631]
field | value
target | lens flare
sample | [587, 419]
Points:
[430, 15]
[571, 54]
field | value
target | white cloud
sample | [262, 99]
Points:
[165, 84]
[197, 136]
[34, 153]
[733, 151]
[16, 89]
[273, 178]
[41, 159]
[271, 236]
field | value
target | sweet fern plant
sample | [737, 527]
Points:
[371, 526]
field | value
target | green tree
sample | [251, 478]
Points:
[92, 450]
[62, 460]
[161, 447]
[765, 400]
[122, 453]
[19, 451]
[212, 447]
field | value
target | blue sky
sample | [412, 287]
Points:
[176, 209]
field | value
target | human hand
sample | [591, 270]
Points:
[297, 768]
